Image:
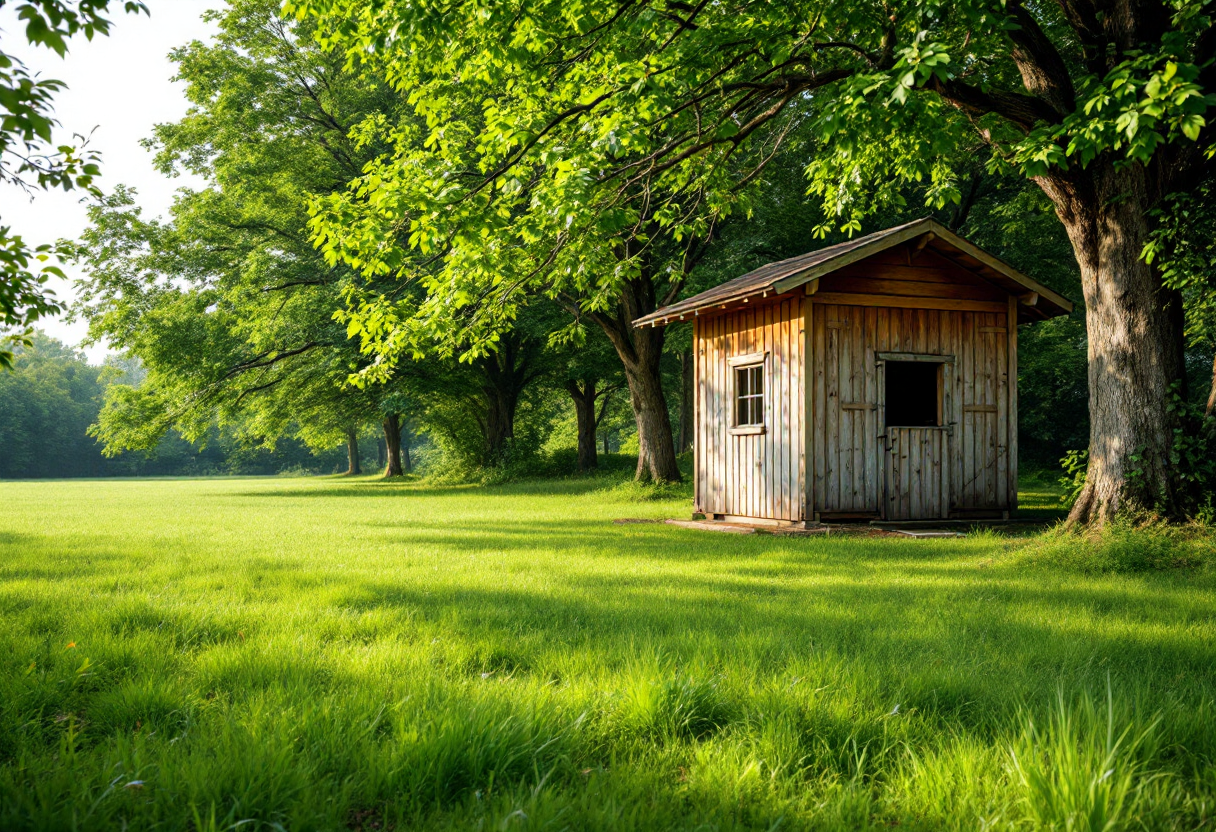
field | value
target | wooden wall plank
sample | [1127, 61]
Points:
[990, 383]
[881, 287]
[848, 376]
[778, 423]
[967, 367]
[765, 462]
[720, 427]
[697, 445]
[751, 475]
[1001, 360]
[870, 417]
[1011, 324]
[913, 274]
[804, 492]
[819, 368]
[902, 302]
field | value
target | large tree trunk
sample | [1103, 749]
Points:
[352, 453]
[684, 442]
[1211, 405]
[392, 442]
[505, 375]
[641, 351]
[407, 464]
[584, 396]
[656, 450]
[499, 423]
[1135, 341]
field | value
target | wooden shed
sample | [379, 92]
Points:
[873, 379]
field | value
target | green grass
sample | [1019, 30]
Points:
[348, 654]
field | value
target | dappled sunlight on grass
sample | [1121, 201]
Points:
[319, 652]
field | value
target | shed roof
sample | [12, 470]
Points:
[785, 275]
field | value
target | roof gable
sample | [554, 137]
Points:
[1039, 302]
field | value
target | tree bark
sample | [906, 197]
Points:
[392, 442]
[352, 453]
[407, 465]
[684, 442]
[641, 351]
[1135, 340]
[1211, 405]
[584, 395]
[504, 376]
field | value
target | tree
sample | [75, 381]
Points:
[30, 162]
[52, 395]
[579, 114]
[592, 377]
[228, 304]
[487, 231]
[1184, 247]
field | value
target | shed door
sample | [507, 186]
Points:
[918, 476]
[916, 451]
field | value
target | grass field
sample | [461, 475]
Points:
[349, 654]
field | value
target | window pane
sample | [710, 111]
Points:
[749, 395]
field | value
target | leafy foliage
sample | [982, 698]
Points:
[227, 304]
[51, 397]
[565, 150]
[29, 161]
[571, 129]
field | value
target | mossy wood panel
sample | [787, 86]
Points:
[751, 474]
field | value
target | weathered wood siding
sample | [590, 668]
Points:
[751, 475]
[849, 466]
[917, 473]
[825, 448]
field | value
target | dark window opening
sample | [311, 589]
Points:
[749, 395]
[913, 394]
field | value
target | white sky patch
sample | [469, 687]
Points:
[118, 87]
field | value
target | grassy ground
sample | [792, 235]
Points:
[329, 654]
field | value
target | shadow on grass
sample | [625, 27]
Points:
[396, 489]
[802, 594]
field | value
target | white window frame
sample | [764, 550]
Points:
[742, 362]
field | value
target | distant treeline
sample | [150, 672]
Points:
[53, 395]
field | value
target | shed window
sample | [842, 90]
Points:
[914, 394]
[749, 395]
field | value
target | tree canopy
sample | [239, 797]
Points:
[228, 304]
[555, 149]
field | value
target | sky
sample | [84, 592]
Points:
[118, 87]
